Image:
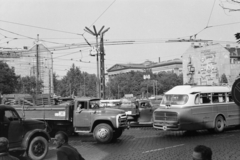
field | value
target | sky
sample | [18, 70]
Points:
[149, 23]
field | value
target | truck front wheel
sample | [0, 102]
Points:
[103, 133]
[38, 148]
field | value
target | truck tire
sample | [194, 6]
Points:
[38, 148]
[103, 133]
[117, 134]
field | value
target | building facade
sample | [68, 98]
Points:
[25, 63]
[207, 64]
[174, 66]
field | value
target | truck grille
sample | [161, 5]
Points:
[123, 120]
[165, 116]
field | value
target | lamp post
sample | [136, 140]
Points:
[146, 77]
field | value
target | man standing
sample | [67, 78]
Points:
[202, 152]
[4, 145]
[64, 150]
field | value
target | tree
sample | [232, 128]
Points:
[76, 83]
[8, 79]
[223, 79]
[133, 83]
[231, 5]
[29, 85]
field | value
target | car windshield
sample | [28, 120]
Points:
[174, 99]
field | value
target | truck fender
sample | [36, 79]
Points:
[95, 123]
[36, 132]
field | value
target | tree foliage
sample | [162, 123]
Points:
[134, 83]
[76, 83]
[224, 78]
[28, 85]
[8, 79]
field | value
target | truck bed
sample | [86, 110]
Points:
[52, 112]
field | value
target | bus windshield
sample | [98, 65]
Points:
[174, 99]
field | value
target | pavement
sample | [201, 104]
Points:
[147, 143]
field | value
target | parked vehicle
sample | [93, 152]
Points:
[81, 115]
[139, 112]
[197, 107]
[23, 135]
[110, 103]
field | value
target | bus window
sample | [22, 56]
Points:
[205, 98]
[197, 99]
[229, 97]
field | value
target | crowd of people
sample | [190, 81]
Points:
[67, 152]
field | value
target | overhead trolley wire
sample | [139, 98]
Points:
[40, 27]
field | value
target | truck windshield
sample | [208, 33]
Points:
[174, 99]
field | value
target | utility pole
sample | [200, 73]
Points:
[96, 34]
[102, 66]
[37, 65]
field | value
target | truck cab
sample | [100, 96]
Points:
[24, 135]
[106, 124]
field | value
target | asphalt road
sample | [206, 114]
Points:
[149, 144]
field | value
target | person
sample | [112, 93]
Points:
[4, 146]
[64, 150]
[79, 107]
[202, 152]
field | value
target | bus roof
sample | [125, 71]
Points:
[187, 89]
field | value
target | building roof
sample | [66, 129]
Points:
[233, 51]
[145, 65]
[166, 63]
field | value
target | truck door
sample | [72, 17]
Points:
[13, 128]
[82, 116]
[146, 112]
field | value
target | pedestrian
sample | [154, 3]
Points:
[4, 146]
[202, 152]
[64, 150]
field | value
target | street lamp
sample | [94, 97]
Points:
[146, 77]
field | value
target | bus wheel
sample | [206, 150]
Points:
[219, 124]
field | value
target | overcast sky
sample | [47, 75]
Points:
[144, 21]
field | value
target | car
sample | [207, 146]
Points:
[29, 136]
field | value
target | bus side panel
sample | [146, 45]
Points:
[233, 116]
[202, 116]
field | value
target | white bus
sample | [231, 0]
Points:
[197, 107]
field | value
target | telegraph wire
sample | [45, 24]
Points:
[211, 12]
[100, 15]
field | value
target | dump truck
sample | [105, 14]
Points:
[78, 115]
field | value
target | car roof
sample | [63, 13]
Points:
[187, 89]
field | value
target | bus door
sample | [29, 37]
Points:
[202, 111]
